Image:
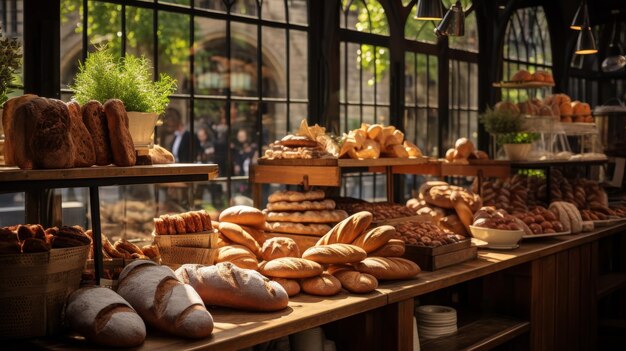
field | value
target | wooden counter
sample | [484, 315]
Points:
[236, 330]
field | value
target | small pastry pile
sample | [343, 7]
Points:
[464, 150]
[32, 238]
[375, 141]
[183, 223]
[523, 76]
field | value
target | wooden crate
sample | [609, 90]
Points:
[434, 258]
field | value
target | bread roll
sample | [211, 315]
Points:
[348, 229]
[278, 247]
[506, 106]
[375, 238]
[356, 282]
[104, 318]
[322, 285]
[537, 77]
[96, 122]
[8, 116]
[522, 76]
[163, 302]
[85, 155]
[453, 223]
[160, 155]
[388, 268]
[464, 148]
[291, 286]
[293, 196]
[122, 145]
[334, 254]
[237, 234]
[393, 248]
[239, 255]
[374, 130]
[290, 267]
[463, 210]
[225, 284]
[243, 215]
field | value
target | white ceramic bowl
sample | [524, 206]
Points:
[497, 238]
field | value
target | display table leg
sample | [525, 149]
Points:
[94, 203]
[43, 207]
[399, 325]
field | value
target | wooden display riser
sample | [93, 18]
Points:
[434, 258]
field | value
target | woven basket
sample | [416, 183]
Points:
[34, 289]
[176, 256]
[205, 240]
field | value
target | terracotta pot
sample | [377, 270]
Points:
[517, 152]
[141, 126]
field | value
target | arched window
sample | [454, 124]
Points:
[526, 46]
[364, 81]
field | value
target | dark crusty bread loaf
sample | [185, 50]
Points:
[163, 301]
[122, 145]
[96, 122]
[104, 318]
[279, 247]
[85, 154]
[322, 285]
[375, 238]
[290, 267]
[225, 284]
[388, 268]
[8, 115]
[243, 215]
[348, 229]
[334, 254]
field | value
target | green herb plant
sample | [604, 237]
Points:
[517, 138]
[502, 122]
[10, 60]
[104, 76]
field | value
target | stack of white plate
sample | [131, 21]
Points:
[435, 321]
[308, 340]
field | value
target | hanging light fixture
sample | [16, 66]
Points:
[615, 58]
[428, 10]
[586, 43]
[453, 23]
[581, 17]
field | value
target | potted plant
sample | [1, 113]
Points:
[517, 145]
[104, 76]
[10, 59]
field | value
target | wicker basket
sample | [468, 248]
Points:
[176, 256]
[205, 240]
[34, 289]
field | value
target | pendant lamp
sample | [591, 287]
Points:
[429, 10]
[586, 43]
[453, 23]
[581, 17]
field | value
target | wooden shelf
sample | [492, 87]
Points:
[15, 179]
[477, 168]
[483, 334]
[522, 85]
[550, 163]
[610, 282]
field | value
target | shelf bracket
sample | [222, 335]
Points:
[305, 182]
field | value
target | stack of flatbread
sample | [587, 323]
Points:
[307, 213]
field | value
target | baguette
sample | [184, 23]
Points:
[239, 255]
[375, 238]
[388, 268]
[225, 284]
[243, 215]
[237, 234]
[290, 267]
[334, 254]
[295, 196]
[393, 248]
[163, 302]
[104, 318]
[323, 216]
[317, 229]
[301, 205]
[348, 229]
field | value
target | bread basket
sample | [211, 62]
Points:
[34, 289]
[187, 248]
[206, 240]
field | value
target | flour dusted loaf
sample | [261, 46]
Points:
[322, 285]
[104, 318]
[388, 268]
[324, 216]
[122, 146]
[295, 196]
[348, 229]
[290, 267]
[243, 215]
[95, 121]
[334, 254]
[317, 229]
[278, 247]
[85, 155]
[225, 284]
[164, 302]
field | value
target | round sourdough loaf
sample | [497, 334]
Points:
[334, 254]
[278, 247]
[375, 238]
[388, 268]
[356, 282]
[243, 215]
[239, 255]
[323, 285]
[237, 234]
[348, 229]
[290, 267]
[291, 286]
[104, 318]
[393, 248]
[225, 284]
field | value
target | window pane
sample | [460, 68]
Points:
[418, 30]
[173, 48]
[215, 5]
[274, 63]
[105, 25]
[243, 67]
[273, 10]
[275, 122]
[298, 12]
[210, 59]
[176, 2]
[71, 40]
[299, 64]
[364, 16]
[468, 42]
[176, 118]
[139, 31]
[245, 7]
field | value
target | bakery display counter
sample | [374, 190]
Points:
[559, 271]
